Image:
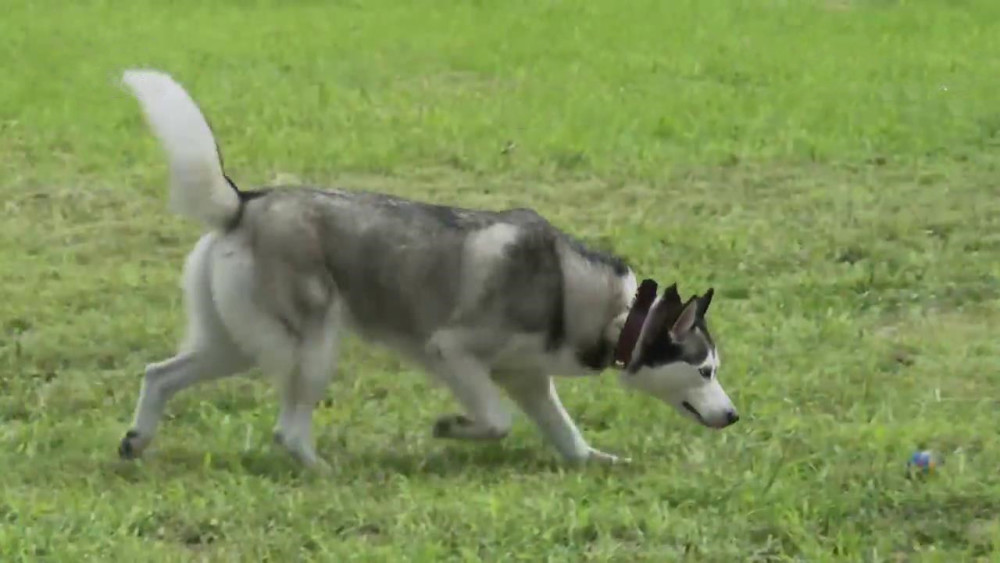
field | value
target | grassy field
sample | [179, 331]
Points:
[831, 167]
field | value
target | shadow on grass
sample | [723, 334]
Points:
[273, 464]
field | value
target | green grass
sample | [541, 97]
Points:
[830, 166]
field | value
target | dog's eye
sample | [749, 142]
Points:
[705, 372]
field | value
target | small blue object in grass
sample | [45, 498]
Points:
[923, 461]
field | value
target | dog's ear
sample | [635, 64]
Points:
[704, 301]
[658, 317]
[662, 312]
[657, 328]
[685, 321]
[646, 294]
[671, 297]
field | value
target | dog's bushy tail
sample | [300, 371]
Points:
[199, 188]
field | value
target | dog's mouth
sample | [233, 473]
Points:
[688, 407]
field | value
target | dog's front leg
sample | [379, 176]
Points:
[486, 416]
[537, 397]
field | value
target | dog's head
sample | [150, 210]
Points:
[676, 361]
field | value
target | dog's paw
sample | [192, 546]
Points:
[595, 455]
[461, 427]
[451, 426]
[319, 467]
[302, 451]
[131, 445]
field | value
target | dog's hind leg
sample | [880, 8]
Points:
[304, 388]
[469, 380]
[208, 353]
[164, 379]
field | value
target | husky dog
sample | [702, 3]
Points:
[489, 302]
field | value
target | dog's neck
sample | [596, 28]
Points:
[627, 328]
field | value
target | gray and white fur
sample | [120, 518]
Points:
[489, 303]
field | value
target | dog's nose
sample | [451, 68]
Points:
[732, 417]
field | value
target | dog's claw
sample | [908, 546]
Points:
[320, 467]
[602, 457]
[445, 426]
[127, 448]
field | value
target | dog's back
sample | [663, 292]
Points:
[401, 269]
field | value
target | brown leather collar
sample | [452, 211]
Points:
[629, 337]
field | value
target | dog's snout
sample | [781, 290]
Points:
[732, 417]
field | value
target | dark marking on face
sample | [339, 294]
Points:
[692, 349]
[658, 346]
[690, 408]
[662, 352]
